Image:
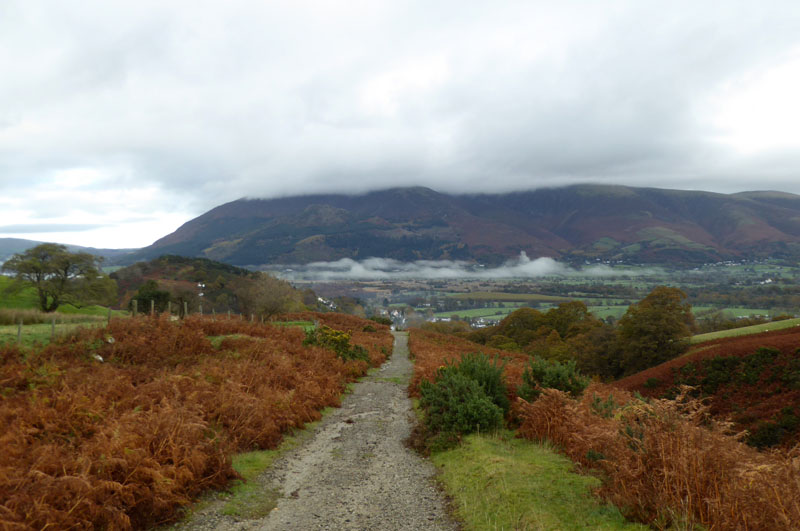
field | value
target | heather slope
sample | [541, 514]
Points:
[752, 380]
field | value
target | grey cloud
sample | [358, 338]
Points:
[266, 99]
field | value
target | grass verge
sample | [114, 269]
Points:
[500, 482]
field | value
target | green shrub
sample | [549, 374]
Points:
[791, 374]
[765, 435]
[381, 320]
[604, 408]
[489, 375]
[718, 372]
[771, 433]
[550, 374]
[652, 383]
[457, 404]
[338, 341]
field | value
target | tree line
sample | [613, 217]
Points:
[652, 331]
[63, 277]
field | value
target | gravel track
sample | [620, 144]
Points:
[355, 472]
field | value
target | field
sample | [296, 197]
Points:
[494, 312]
[41, 334]
[127, 441]
[746, 330]
[508, 297]
[25, 298]
[39, 328]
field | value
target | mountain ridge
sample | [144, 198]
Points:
[581, 222]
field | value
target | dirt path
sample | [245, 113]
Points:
[355, 472]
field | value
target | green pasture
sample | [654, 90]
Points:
[602, 312]
[25, 298]
[479, 312]
[734, 312]
[305, 325]
[746, 330]
[508, 297]
[41, 334]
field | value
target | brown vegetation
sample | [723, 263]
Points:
[667, 462]
[431, 351]
[749, 403]
[127, 441]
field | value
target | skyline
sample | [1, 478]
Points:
[120, 122]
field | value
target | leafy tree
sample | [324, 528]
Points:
[598, 352]
[60, 276]
[571, 318]
[149, 291]
[521, 325]
[266, 295]
[655, 330]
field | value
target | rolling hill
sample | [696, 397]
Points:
[645, 225]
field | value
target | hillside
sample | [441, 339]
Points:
[754, 380]
[182, 275]
[644, 225]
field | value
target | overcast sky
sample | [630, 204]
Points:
[121, 120]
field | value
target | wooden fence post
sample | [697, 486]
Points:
[152, 306]
[19, 332]
[52, 329]
[185, 309]
[135, 306]
[108, 321]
